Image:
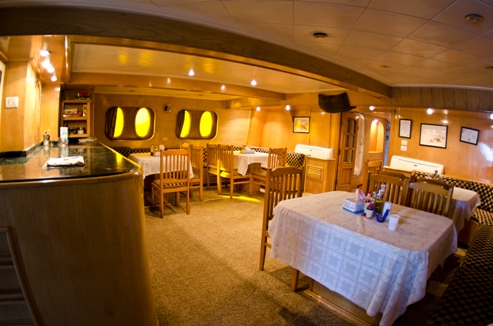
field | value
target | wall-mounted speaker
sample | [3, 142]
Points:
[334, 103]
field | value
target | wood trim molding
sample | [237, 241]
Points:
[206, 41]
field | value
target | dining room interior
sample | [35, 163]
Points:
[349, 103]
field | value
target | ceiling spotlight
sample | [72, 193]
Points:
[223, 87]
[191, 72]
[474, 18]
[253, 82]
[288, 107]
[491, 116]
[44, 53]
[50, 69]
[320, 35]
[429, 111]
[53, 78]
[258, 108]
[372, 108]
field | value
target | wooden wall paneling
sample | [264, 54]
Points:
[257, 125]
[460, 159]
[50, 102]
[12, 131]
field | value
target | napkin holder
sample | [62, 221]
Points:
[353, 205]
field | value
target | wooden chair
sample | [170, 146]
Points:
[432, 196]
[373, 167]
[396, 189]
[174, 177]
[227, 172]
[281, 184]
[211, 162]
[197, 157]
[277, 158]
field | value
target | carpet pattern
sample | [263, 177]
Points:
[204, 270]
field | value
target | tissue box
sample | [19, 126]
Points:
[353, 205]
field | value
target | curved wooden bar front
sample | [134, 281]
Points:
[80, 248]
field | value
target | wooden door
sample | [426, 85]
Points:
[347, 151]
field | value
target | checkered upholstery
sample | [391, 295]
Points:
[468, 300]
[125, 151]
[484, 213]
[480, 253]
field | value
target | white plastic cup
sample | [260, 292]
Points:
[393, 221]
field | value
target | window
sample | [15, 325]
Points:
[129, 123]
[192, 124]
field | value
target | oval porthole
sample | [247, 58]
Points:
[119, 123]
[142, 122]
[206, 124]
[185, 130]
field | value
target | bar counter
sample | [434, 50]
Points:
[77, 237]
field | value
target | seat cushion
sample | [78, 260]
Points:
[483, 217]
[169, 184]
[468, 300]
[480, 253]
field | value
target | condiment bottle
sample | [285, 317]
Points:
[152, 149]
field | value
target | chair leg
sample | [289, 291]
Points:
[294, 279]
[219, 185]
[188, 203]
[162, 205]
[231, 188]
[263, 250]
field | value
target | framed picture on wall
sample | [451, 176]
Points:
[301, 124]
[405, 127]
[469, 135]
[433, 135]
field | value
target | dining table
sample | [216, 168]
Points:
[463, 206]
[361, 259]
[242, 160]
[150, 163]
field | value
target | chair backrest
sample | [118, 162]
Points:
[396, 186]
[277, 157]
[212, 156]
[174, 166]
[373, 167]
[281, 184]
[197, 157]
[225, 158]
[432, 196]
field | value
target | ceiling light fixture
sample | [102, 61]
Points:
[372, 108]
[258, 108]
[253, 82]
[429, 111]
[474, 18]
[50, 69]
[44, 53]
[191, 72]
[320, 35]
[223, 87]
[53, 78]
[288, 107]
[491, 116]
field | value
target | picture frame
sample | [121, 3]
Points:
[301, 125]
[405, 128]
[433, 135]
[469, 135]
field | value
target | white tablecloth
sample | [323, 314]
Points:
[243, 160]
[149, 163]
[377, 269]
[464, 203]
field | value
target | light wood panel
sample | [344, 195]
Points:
[81, 249]
[461, 160]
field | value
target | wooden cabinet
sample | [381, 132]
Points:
[319, 175]
[76, 114]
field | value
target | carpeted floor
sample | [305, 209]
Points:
[204, 270]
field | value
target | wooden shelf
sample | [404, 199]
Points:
[80, 112]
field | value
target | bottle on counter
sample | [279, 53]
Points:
[152, 149]
[46, 139]
[379, 200]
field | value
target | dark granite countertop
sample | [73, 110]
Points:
[99, 161]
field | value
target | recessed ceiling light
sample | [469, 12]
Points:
[253, 82]
[372, 108]
[53, 78]
[258, 108]
[491, 116]
[429, 111]
[320, 35]
[44, 53]
[191, 72]
[474, 18]
[288, 107]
